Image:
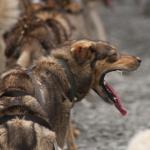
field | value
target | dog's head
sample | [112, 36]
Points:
[105, 58]
[94, 60]
[112, 61]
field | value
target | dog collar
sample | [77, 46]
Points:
[39, 96]
[73, 87]
[28, 117]
[14, 93]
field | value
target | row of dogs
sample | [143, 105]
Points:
[47, 74]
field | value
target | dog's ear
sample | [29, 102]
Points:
[82, 53]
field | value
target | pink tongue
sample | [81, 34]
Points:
[117, 101]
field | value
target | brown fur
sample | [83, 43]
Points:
[20, 133]
[35, 37]
[86, 60]
[67, 5]
[37, 34]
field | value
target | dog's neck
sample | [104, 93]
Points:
[73, 87]
[52, 80]
[52, 74]
[82, 74]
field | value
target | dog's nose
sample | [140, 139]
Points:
[139, 59]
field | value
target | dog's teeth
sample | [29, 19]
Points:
[120, 72]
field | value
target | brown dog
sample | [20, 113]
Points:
[23, 122]
[68, 5]
[56, 83]
[114, 61]
[36, 33]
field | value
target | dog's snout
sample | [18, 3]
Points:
[139, 59]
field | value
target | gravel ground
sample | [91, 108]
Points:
[101, 125]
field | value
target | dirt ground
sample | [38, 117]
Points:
[101, 125]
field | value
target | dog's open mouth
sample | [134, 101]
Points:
[106, 91]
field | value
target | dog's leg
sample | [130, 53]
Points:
[2, 56]
[71, 138]
[24, 59]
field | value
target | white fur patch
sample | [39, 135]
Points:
[59, 148]
[141, 141]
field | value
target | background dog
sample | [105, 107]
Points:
[9, 13]
[23, 121]
[35, 34]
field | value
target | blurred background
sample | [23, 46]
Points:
[126, 24]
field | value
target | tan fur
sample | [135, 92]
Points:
[37, 36]
[34, 135]
[24, 59]
[19, 129]
[61, 18]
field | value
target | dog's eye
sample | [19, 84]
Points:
[113, 57]
[92, 48]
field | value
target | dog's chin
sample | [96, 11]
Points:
[107, 92]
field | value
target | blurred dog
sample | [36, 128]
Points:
[140, 141]
[56, 83]
[23, 121]
[68, 5]
[9, 13]
[35, 35]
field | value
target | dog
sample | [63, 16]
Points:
[56, 83]
[9, 14]
[57, 28]
[68, 5]
[23, 123]
[35, 34]
[140, 141]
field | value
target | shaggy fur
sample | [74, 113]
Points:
[19, 133]
[84, 59]
[36, 35]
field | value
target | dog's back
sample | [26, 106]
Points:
[19, 134]
[23, 122]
